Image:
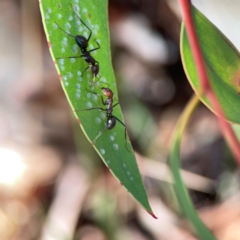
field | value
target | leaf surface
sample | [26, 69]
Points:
[222, 61]
[111, 145]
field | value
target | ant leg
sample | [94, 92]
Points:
[94, 141]
[97, 44]
[94, 82]
[103, 100]
[95, 48]
[85, 69]
[115, 106]
[98, 95]
[71, 57]
[64, 30]
[90, 109]
[106, 84]
[83, 23]
[92, 92]
[125, 131]
[123, 125]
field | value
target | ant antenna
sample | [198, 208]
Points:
[86, 109]
[65, 31]
[94, 141]
[80, 18]
[93, 83]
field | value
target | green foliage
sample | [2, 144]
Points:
[111, 145]
[222, 62]
[181, 192]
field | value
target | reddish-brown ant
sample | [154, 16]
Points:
[111, 119]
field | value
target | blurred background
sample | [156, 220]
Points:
[52, 183]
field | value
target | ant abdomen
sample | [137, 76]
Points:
[95, 69]
[111, 122]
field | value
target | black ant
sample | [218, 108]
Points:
[82, 42]
[111, 119]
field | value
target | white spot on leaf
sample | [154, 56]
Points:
[75, 48]
[70, 75]
[89, 104]
[98, 120]
[115, 146]
[102, 151]
[68, 25]
[61, 61]
[103, 115]
[112, 137]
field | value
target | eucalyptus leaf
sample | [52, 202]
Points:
[222, 61]
[111, 145]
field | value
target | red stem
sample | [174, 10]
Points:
[205, 83]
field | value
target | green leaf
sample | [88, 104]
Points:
[222, 62]
[181, 191]
[111, 145]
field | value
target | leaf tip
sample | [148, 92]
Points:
[152, 214]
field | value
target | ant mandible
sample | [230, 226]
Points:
[82, 42]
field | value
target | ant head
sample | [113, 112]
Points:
[107, 92]
[81, 41]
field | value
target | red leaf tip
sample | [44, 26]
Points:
[152, 214]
